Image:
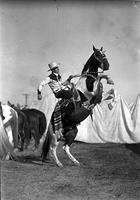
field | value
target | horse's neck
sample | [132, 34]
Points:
[92, 64]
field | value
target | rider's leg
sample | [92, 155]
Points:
[57, 122]
[66, 94]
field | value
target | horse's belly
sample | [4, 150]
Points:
[78, 116]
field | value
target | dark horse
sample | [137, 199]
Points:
[31, 123]
[36, 124]
[73, 115]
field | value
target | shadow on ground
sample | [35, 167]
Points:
[134, 147]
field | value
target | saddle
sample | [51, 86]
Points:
[67, 106]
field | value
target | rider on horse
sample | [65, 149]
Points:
[61, 90]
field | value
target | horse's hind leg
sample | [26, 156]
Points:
[53, 149]
[69, 139]
[35, 133]
[71, 157]
[27, 135]
[22, 139]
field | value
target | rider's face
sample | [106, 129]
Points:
[56, 70]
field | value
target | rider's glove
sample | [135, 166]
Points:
[70, 77]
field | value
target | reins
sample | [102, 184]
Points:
[87, 75]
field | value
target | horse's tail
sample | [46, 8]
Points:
[42, 124]
[46, 145]
[14, 127]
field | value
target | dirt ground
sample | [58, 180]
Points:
[107, 172]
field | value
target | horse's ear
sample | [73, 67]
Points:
[101, 49]
[94, 49]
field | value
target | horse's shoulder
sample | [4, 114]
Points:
[37, 112]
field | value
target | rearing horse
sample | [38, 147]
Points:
[71, 117]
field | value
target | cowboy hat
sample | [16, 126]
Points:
[53, 65]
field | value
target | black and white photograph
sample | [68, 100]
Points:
[70, 99]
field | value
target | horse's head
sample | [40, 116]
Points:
[15, 107]
[100, 56]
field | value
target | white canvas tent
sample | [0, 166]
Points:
[119, 125]
[135, 113]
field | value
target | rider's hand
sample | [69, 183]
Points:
[70, 77]
[39, 96]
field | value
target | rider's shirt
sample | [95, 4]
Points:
[55, 83]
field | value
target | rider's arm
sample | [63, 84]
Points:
[43, 83]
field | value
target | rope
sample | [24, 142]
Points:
[82, 75]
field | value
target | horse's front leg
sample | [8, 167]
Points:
[53, 149]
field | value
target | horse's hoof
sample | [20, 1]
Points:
[21, 149]
[14, 158]
[42, 162]
[77, 163]
[16, 150]
[33, 149]
[60, 165]
[43, 159]
[36, 150]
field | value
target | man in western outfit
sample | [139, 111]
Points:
[54, 80]
[61, 90]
